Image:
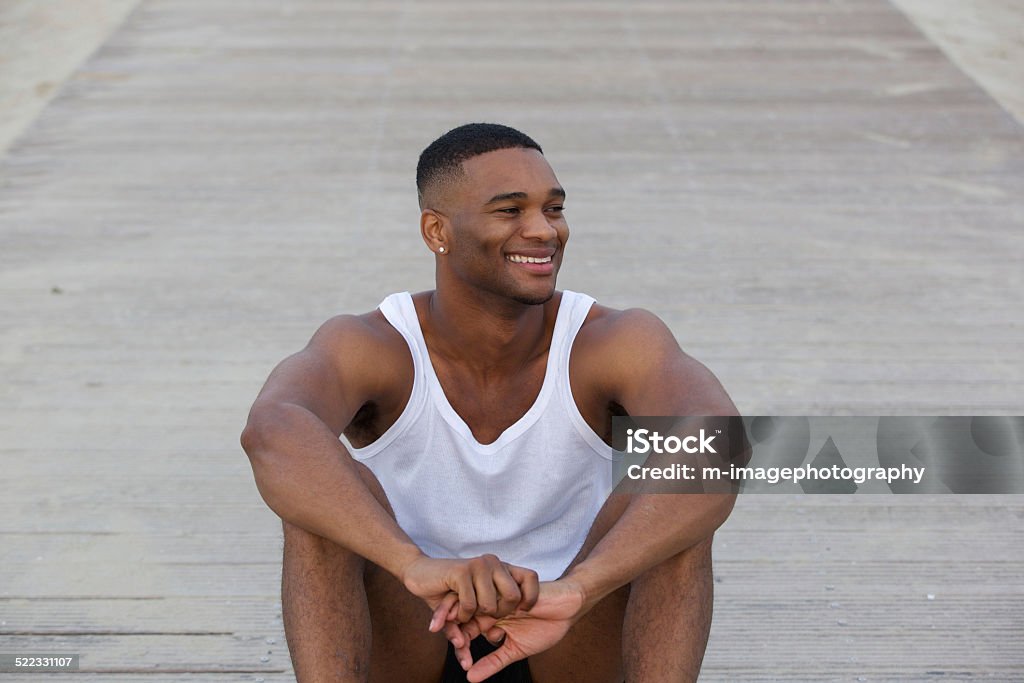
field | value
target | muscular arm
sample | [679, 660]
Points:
[302, 470]
[649, 375]
[309, 479]
[632, 360]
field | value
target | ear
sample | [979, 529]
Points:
[434, 230]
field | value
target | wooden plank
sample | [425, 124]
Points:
[190, 676]
[741, 539]
[180, 654]
[152, 615]
[820, 206]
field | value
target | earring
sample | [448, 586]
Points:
[441, 250]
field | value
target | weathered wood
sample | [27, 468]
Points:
[169, 653]
[822, 208]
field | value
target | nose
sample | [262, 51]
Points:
[537, 226]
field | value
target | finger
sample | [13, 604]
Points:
[509, 594]
[440, 615]
[529, 585]
[483, 624]
[465, 657]
[486, 593]
[491, 664]
[463, 653]
[471, 630]
[453, 632]
[495, 636]
[460, 644]
[467, 597]
[461, 635]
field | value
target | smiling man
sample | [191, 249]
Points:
[470, 491]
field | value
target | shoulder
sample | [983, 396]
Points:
[349, 361]
[634, 358]
[364, 349]
[351, 332]
[633, 333]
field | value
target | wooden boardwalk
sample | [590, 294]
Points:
[824, 209]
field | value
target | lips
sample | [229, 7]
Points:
[540, 262]
[520, 258]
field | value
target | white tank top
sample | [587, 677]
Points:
[529, 497]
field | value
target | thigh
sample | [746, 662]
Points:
[403, 649]
[655, 628]
[668, 619]
[669, 611]
[592, 650]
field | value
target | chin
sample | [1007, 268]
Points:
[534, 299]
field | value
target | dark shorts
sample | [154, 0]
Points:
[518, 672]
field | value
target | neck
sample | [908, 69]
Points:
[503, 335]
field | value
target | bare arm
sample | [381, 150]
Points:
[652, 376]
[642, 368]
[309, 479]
[302, 470]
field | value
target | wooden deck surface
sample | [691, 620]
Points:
[826, 211]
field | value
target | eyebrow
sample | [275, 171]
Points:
[505, 196]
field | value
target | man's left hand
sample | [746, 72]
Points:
[525, 633]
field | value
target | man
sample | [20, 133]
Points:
[474, 459]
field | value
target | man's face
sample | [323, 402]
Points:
[508, 231]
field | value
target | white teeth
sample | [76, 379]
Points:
[516, 258]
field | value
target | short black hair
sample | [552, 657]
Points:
[442, 159]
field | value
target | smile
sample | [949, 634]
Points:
[516, 258]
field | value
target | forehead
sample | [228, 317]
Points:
[507, 170]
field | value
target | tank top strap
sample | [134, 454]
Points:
[575, 307]
[400, 312]
[572, 311]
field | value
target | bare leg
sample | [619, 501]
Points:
[591, 650]
[668, 618]
[329, 594]
[654, 630]
[326, 614]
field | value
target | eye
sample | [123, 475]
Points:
[510, 211]
[556, 209]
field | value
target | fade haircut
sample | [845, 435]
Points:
[441, 161]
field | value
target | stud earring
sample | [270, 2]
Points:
[441, 250]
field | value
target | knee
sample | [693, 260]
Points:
[700, 552]
[698, 556]
[689, 566]
[313, 551]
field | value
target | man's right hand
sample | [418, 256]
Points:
[458, 590]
